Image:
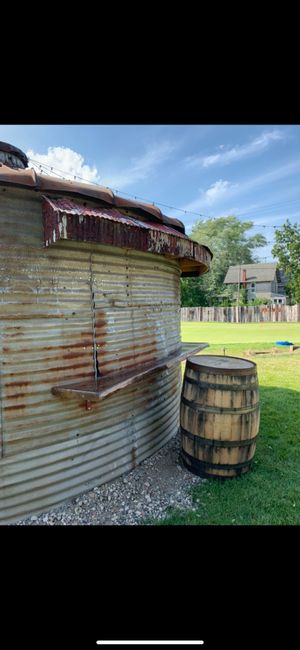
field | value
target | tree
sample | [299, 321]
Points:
[243, 297]
[227, 239]
[287, 250]
[192, 293]
[260, 301]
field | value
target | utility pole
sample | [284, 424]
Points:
[238, 294]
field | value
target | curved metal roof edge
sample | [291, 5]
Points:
[28, 178]
[203, 246]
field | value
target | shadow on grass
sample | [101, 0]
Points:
[269, 494]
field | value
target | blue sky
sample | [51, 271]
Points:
[251, 171]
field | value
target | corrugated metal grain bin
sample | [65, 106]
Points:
[90, 344]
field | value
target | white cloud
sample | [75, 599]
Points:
[139, 167]
[259, 144]
[213, 195]
[216, 191]
[66, 160]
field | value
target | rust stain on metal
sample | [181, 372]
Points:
[19, 384]
[64, 219]
[15, 407]
[100, 318]
[133, 456]
[16, 395]
[56, 349]
[73, 355]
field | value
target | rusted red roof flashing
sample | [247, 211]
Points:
[115, 221]
[65, 219]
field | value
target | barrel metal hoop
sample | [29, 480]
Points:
[222, 409]
[202, 464]
[235, 387]
[217, 443]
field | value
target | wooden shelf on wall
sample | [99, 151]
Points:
[94, 390]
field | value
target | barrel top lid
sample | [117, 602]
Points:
[222, 363]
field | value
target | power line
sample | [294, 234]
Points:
[54, 171]
[171, 207]
[269, 206]
[40, 165]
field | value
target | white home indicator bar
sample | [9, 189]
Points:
[150, 642]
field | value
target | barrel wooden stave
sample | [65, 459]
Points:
[220, 391]
[220, 426]
[219, 418]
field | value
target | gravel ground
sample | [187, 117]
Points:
[147, 491]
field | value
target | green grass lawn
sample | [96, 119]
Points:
[270, 492]
[239, 336]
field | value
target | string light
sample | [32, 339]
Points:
[55, 171]
[170, 207]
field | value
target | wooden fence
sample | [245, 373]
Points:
[254, 314]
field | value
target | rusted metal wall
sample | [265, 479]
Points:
[59, 305]
[1, 430]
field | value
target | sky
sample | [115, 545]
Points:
[251, 171]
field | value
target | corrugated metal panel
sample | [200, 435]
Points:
[74, 208]
[69, 220]
[108, 441]
[140, 298]
[1, 428]
[57, 306]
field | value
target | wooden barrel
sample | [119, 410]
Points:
[219, 415]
